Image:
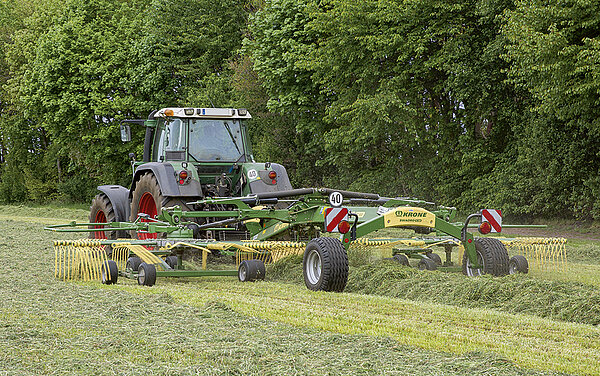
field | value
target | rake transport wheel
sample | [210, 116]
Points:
[325, 265]
[518, 264]
[251, 270]
[146, 274]
[102, 211]
[109, 272]
[492, 256]
[401, 259]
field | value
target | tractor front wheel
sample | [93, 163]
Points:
[491, 256]
[325, 265]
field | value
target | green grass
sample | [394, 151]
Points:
[220, 326]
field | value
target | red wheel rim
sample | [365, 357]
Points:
[147, 206]
[100, 218]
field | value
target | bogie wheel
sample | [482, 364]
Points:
[172, 261]
[110, 272]
[133, 263]
[401, 259]
[102, 211]
[492, 257]
[435, 257]
[146, 274]
[325, 265]
[518, 264]
[427, 264]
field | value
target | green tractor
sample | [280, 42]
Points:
[189, 154]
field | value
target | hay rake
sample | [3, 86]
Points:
[300, 222]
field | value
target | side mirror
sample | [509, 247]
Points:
[125, 132]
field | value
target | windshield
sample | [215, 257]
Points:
[215, 140]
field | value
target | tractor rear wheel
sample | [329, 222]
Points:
[492, 257]
[102, 211]
[325, 265]
[147, 198]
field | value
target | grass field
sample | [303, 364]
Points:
[219, 326]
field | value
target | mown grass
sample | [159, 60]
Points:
[51, 327]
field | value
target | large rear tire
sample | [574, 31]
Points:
[147, 198]
[102, 211]
[325, 265]
[492, 257]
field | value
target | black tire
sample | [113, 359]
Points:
[518, 264]
[109, 272]
[172, 261]
[325, 265]
[247, 271]
[146, 274]
[102, 210]
[492, 254]
[261, 271]
[401, 259]
[133, 263]
[427, 264]
[147, 184]
[435, 257]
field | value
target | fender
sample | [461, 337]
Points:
[119, 199]
[165, 174]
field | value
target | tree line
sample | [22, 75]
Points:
[477, 103]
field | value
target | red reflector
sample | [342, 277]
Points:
[344, 227]
[272, 174]
[346, 240]
[470, 240]
[485, 228]
[183, 175]
[274, 181]
[181, 182]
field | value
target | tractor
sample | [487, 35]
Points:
[189, 154]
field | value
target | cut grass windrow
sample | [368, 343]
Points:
[528, 341]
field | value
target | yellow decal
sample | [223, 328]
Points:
[407, 216]
[359, 214]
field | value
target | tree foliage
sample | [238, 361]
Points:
[473, 103]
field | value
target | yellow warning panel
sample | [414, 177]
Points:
[409, 216]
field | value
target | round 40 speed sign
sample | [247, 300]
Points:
[336, 199]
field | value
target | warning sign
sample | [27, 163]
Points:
[333, 217]
[493, 217]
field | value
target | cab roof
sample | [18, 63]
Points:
[192, 112]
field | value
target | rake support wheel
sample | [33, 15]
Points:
[518, 264]
[251, 270]
[325, 265]
[146, 274]
[492, 256]
[110, 272]
[401, 259]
